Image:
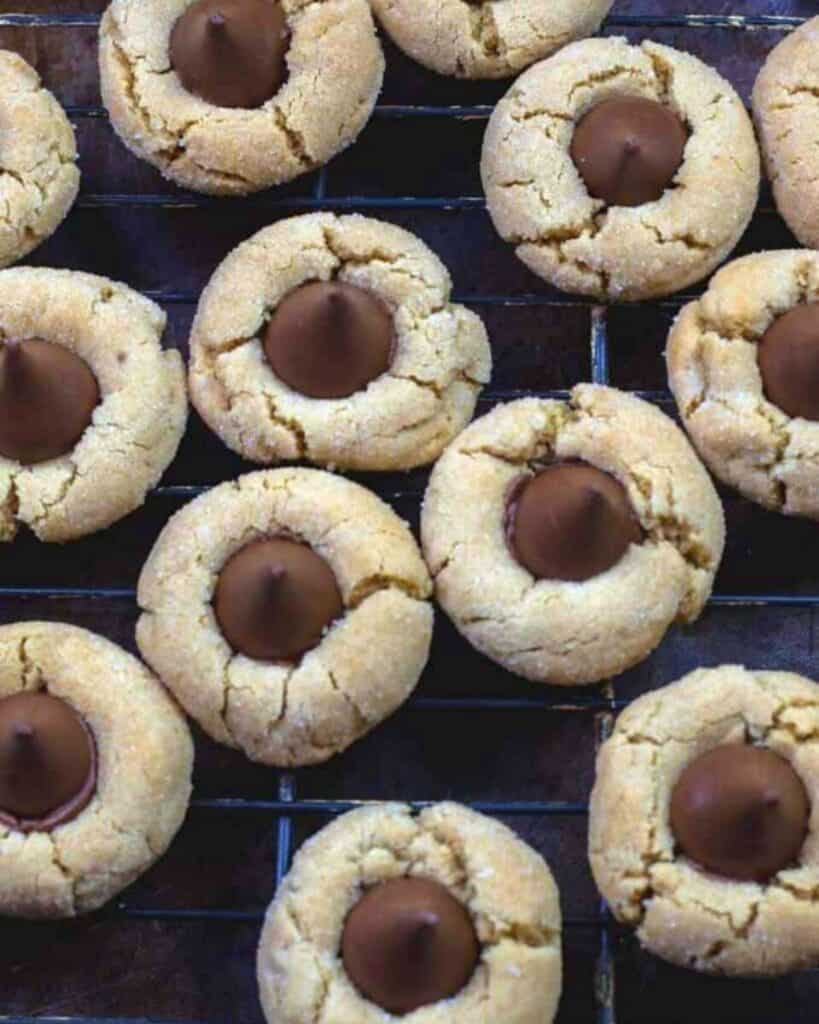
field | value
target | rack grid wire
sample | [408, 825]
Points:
[603, 703]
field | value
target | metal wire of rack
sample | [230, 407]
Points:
[286, 807]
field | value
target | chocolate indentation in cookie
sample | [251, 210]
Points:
[408, 943]
[231, 53]
[740, 811]
[274, 599]
[47, 400]
[48, 762]
[789, 361]
[570, 522]
[628, 149]
[328, 339]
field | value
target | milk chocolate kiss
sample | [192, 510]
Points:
[570, 522]
[627, 150]
[231, 53]
[47, 398]
[408, 943]
[328, 339]
[274, 599]
[740, 811]
[789, 361]
[48, 762]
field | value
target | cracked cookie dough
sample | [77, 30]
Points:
[137, 425]
[404, 416]
[39, 178]
[302, 710]
[539, 201]
[142, 785]
[785, 100]
[505, 886]
[682, 912]
[486, 39]
[572, 628]
[334, 70]
[715, 373]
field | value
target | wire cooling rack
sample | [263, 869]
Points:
[287, 807]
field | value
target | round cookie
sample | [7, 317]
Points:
[505, 886]
[39, 178]
[334, 67]
[476, 39]
[538, 195]
[134, 429]
[142, 784]
[578, 627]
[785, 105]
[683, 912]
[724, 382]
[404, 416]
[314, 704]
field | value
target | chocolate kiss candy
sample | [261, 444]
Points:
[627, 150]
[329, 339]
[231, 53]
[570, 522]
[48, 762]
[47, 399]
[275, 598]
[408, 943]
[740, 811]
[789, 361]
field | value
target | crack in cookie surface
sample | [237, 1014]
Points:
[680, 911]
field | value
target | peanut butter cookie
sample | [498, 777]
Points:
[486, 39]
[476, 907]
[333, 339]
[234, 96]
[93, 409]
[704, 814]
[95, 770]
[288, 612]
[566, 537]
[39, 178]
[743, 363]
[785, 99]
[618, 171]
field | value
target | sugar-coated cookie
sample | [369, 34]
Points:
[444, 914]
[288, 612]
[234, 96]
[333, 339]
[784, 102]
[704, 821]
[92, 407]
[743, 363]
[618, 171]
[565, 538]
[485, 39]
[39, 179]
[95, 770]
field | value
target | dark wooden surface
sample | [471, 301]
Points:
[111, 965]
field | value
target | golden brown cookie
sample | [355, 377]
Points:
[714, 371]
[39, 178]
[506, 887]
[682, 912]
[335, 67]
[144, 755]
[303, 710]
[486, 39]
[405, 416]
[785, 99]
[554, 630]
[137, 425]
[540, 203]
